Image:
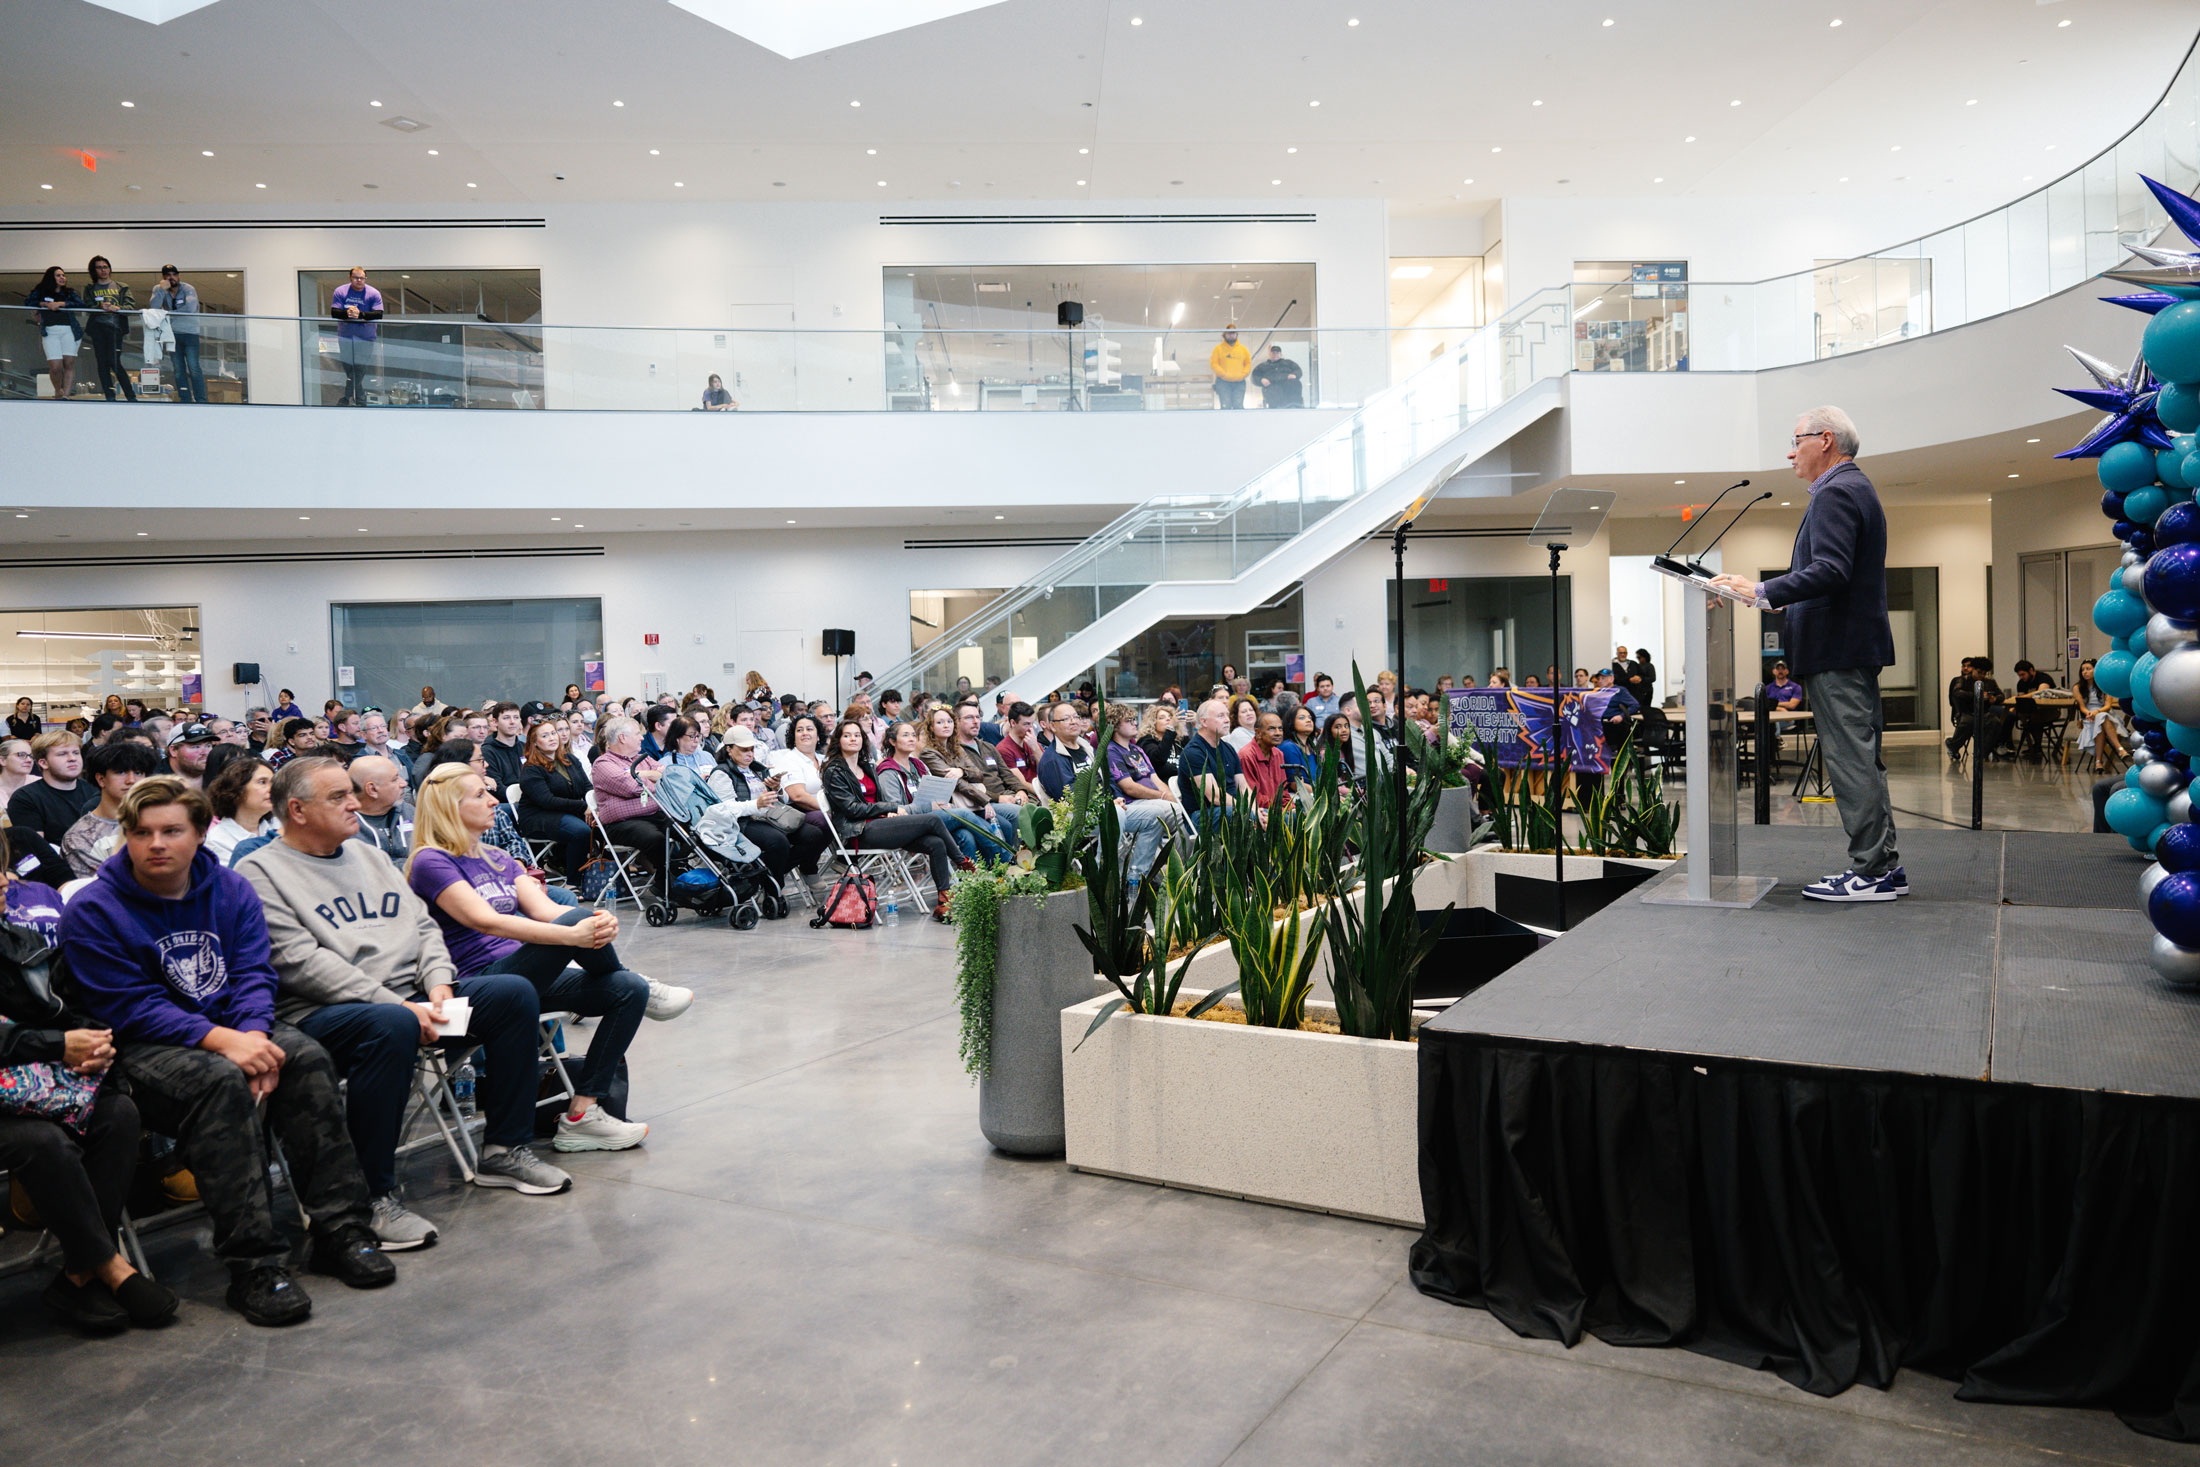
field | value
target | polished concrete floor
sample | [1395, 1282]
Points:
[817, 1259]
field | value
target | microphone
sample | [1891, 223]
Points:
[1730, 524]
[1666, 562]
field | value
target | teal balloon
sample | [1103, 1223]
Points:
[2131, 778]
[2182, 736]
[2113, 673]
[2139, 844]
[2172, 343]
[2134, 813]
[2180, 494]
[2129, 466]
[2136, 643]
[2169, 467]
[2189, 465]
[2119, 613]
[2154, 836]
[2178, 406]
[2142, 688]
[2143, 506]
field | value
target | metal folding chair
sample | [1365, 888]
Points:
[536, 849]
[884, 867]
[621, 855]
[434, 1096]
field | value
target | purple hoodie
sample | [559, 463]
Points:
[162, 972]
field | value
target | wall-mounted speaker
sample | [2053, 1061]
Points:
[1069, 313]
[244, 674]
[839, 642]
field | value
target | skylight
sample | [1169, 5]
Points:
[795, 28]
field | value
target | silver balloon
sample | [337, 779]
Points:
[2176, 686]
[2134, 578]
[2147, 881]
[2165, 635]
[2161, 779]
[2177, 964]
[2180, 807]
[2131, 558]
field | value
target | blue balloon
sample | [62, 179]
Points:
[2179, 525]
[2173, 581]
[2142, 691]
[2179, 848]
[2123, 530]
[2112, 504]
[2169, 468]
[2184, 736]
[2129, 466]
[2113, 673]
[2119, 613]
[2133, 812]
[2174, 909]
[2172, 343]
[2144, 506]
[2178, 406]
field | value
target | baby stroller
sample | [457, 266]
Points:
[721, 869]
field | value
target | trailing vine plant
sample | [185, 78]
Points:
[975, 902]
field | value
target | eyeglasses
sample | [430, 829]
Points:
[1797, 441]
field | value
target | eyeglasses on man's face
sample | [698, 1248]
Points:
[1797, 441]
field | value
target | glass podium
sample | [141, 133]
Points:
[1712, 871]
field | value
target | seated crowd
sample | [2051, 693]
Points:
[261, 925]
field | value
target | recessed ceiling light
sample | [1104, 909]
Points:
[129, 104]
[1084, 150]
[375, 103]
[1313, 104]
[1607, 20]
[677, 184]
[1896, 148]
[617, 103]
[2026, 179]
[1497, 150]
[1689, 139]
[855, 104]
[790, 522]
[22, 516]
[2031, 440]
[2012, 476]
[1354, 21]
[555, 518]
[206, 152]
[1003, 516]
[1844, 178]
[1786, 502]
[259, 185]
[305, 517]
[1413, 272]
[653, 153]
[1680, 481]
[2060, 24]
[1135, 20]
[1972, 102]
[46, 185]
[1536, 103]
[143, 533]
[1081, 182]
[873, 152]
[1834, 24]
[1274, 181]
[1735, 103]
[362, 529]
[473, 185]
[434, 153]
[1657, 180]
[1466, 180]
[1290, 150]
[580, 527]
[882, 183]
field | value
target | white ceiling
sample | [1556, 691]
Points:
[1201, 100]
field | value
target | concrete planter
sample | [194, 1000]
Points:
[1518, 884]
[1158, 1100]
[1042, 969]
[1453, 828]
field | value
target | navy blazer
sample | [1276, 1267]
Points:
[1835, 590]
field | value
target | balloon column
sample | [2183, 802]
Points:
[2148, 459]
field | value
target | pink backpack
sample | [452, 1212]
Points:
[852, 903]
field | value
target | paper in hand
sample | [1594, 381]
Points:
[456, 1011]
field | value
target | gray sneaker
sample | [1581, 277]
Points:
[520, 1169]
[667, 1002]
[597, 1130]
[397, 1227]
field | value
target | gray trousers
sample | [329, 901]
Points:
[1845, 705]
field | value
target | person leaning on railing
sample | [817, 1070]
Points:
[106, 324]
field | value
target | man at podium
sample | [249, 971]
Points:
[1838, 636]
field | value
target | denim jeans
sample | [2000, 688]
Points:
[1145, 824]
[971, 829]
[588, 981]
[190, 379]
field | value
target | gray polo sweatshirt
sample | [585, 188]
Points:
[344, 928]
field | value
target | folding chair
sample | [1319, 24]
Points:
[433, 1095]
[547, 1049]
[620, 856]
[884, 867]
[536, 849]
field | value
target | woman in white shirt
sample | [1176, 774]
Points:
[1244, 721]
[800, 784]
[242, 808]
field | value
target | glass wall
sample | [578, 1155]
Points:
[1470, 626]
[67, 662]
[1190, 652]
[470, 652]
[448, 338]
[1434, 300]
[1630, 316]
[221, 343]
[977, 337]
[1911, 694]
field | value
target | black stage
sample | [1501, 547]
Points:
[1959, 1132]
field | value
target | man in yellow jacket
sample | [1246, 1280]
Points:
[1232, 363]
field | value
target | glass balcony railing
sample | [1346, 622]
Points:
[1192, 537]
[2055, 238]
[453, 362]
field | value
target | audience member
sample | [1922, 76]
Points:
[1244, 717]
[170, 951]
[374, 738]
[684, 746]
[776, 827]
[179, 298]
[991, 790]
[1964, 698]
[1261, 762]
[111, 769]
[187, 748]
[18, 767]
[867, 822]
[23, 723]
[358, 305]
[296, 736]
[106, 324]
[505, 750]
[44, 809]
[553, 796]
[497, 919]
[655, 720]
[362, 967]
[241, 797]
[1208, 775]
[625, 783]
[2104, 730]
[1066, 752]
[801, 782]
[1018, 745]
[343, 743]
[1148, 809]
[715, 397]
[384, 806]
[57, 305]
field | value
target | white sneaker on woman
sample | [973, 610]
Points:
[667, 1002]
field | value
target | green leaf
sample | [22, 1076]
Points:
[1107, 1011]
[1208, 1002]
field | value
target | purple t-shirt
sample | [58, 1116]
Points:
[492, 874]
[35, 905]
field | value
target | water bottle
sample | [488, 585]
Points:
[462, 1085]
[892, 915]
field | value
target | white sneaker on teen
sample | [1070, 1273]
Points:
[1850, 887]
[596, 1129]
[667, 1002]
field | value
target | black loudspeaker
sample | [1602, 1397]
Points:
[839, 642]
[1070, 313]
[244, 674]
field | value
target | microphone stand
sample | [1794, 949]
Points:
[1667, 562]
[1696, 565]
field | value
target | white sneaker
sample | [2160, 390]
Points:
[518, 1168]
[398, 1228]
[597, 1130]
[667, 1002]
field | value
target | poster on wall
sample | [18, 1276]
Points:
[193, 689]
[592, 676]
[1514, 726]
[1294, 669]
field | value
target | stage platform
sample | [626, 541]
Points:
[1959, 1131]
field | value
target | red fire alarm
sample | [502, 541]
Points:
[649, 639]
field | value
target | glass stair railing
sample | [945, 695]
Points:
[1184, 554]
